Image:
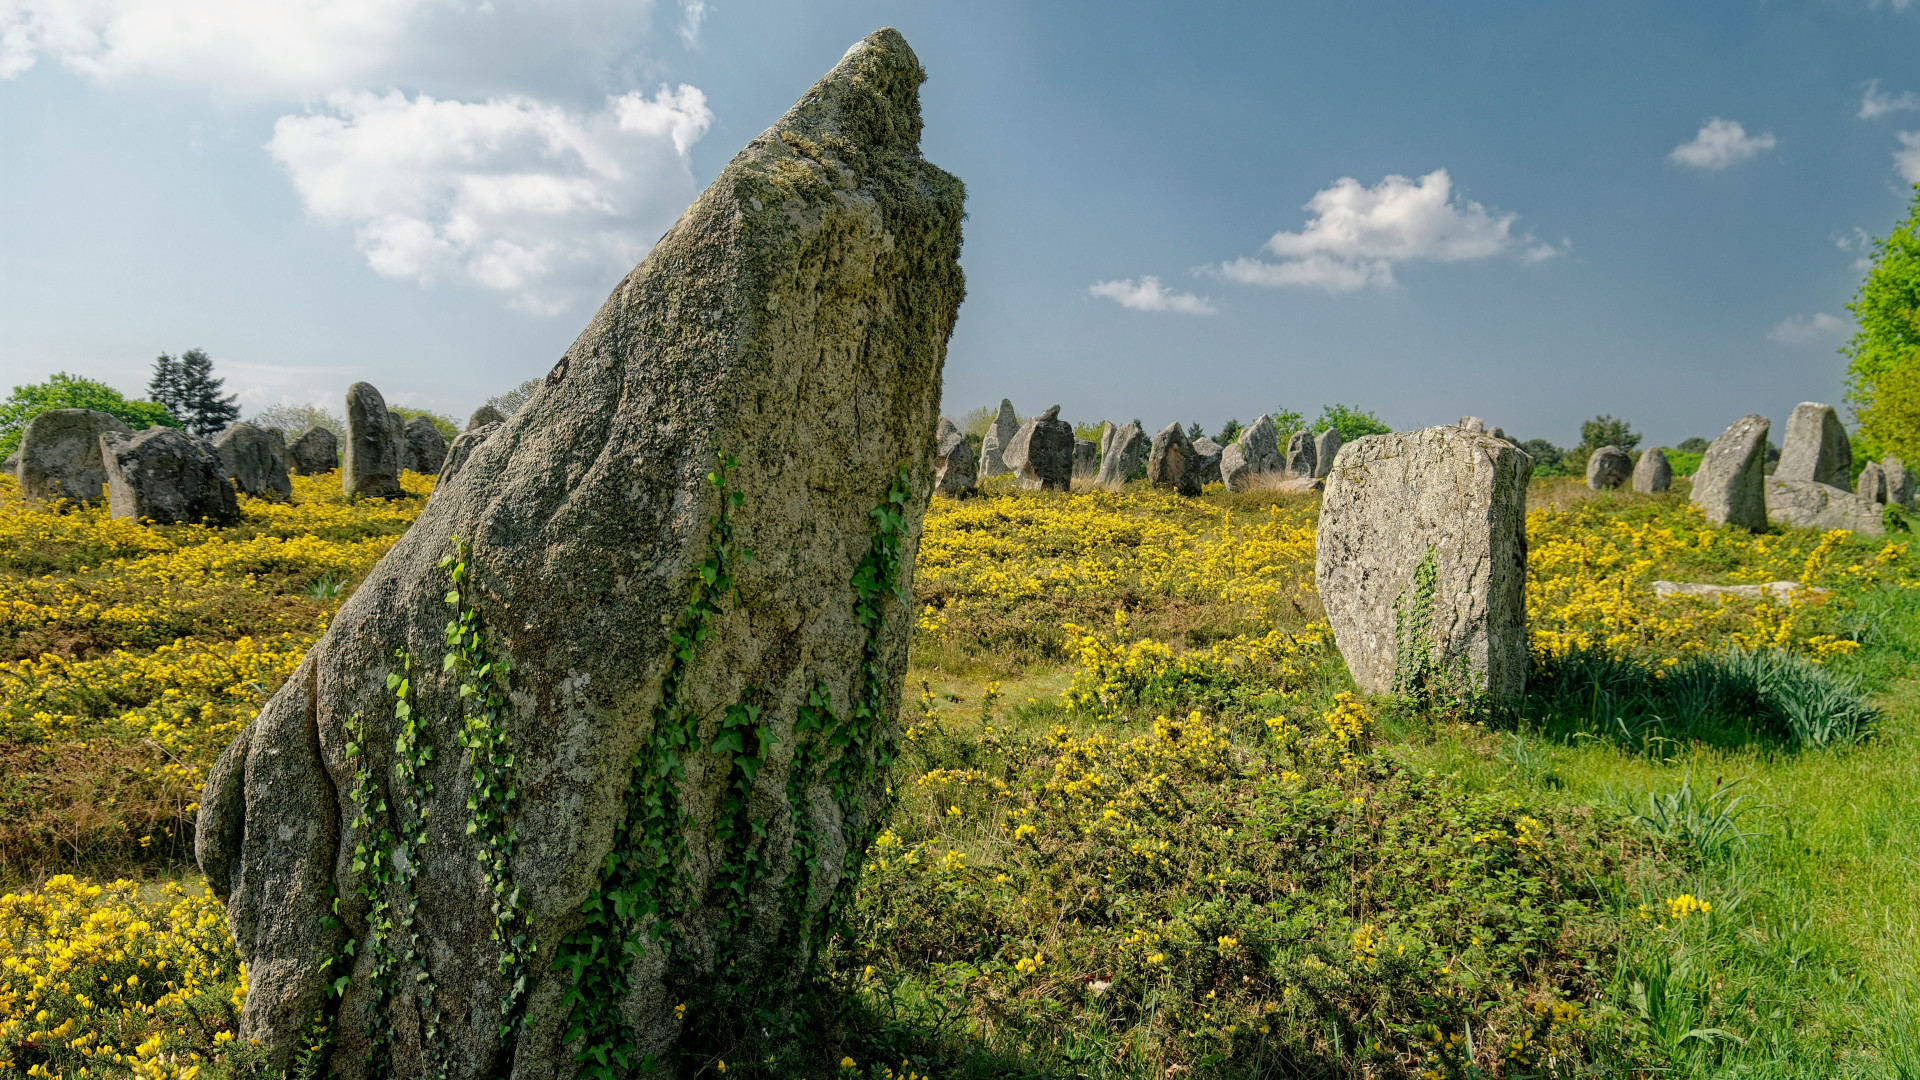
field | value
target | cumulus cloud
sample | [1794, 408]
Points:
[1907, 158]
[1810, 329]
[1147, 294]
[693, 13]
[1873, 102]
[532, 200]
[1358, 234]
[299, 48]
[1720, 143]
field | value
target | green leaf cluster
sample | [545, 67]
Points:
[64, 391]
[1883, 359]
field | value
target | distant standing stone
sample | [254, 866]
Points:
[1394, 500]
[1872, 483]
[1653, 472]
[1899, 482]
[1206, 461]
[461, 450]
[1809, 504]
[1726, 486]
[59, 456]
[1326, 447]
[426, 447]
[1300, 457]
[1041, 452]
[167, 476]
[1170, 461]
[953, 463]
[994, 443]
[371, 468]
[1816, 447]
[484, 415]
[398, 427]
[248, 454]
[1126, 452]
[1608, 468]
[1235, 471]
[316, 451]
[1107, 429]
[1260, 446]
[1086, 458]
[1472, 424]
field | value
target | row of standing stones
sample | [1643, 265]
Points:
[166, 476]
[1044, 455]
[666, 798]
[1812, 487]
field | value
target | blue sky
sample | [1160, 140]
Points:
[1528, 212]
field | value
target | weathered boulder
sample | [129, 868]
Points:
[685, 734]
[1472, 424]
[1261, 447]
[1300, 456]
[1872, 483]
[1453, 502]
[1816, 447]
[1206, 460]
[482, 416]
[994, 443]
[1899, 482]
[1170, 461]
[1086, 458]
[1653, 472]
[1126, 453]
[1107, 429]
[1326, 447]
[426, 447]
[250, 456]
[1041, 452]
[1809, 504]
[397, 425]
[1235, 471]
[316, 451]
[953, 462]
[1607, 468]
[371, 465]
[1726, 486]
[59, 455]
[462, 448]
[167, 476]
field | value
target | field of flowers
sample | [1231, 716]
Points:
[1143, 827]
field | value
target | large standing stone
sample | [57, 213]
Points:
[60, 454]
[371, 467]
[1391, 503]
[1816, 447]
[1086, 458]
[1125, 454]
[1260, 446]
[1170, 461]
[1653, 472]
[167, 476]
[1809, 504]
[1300, 458]
[426, 447]
[398, 427]
[1872, 483]
[1236, 472]
[1206, 461]
[953, 464]
[1726, 486]
[1107, 429]
[1899, 482]
[484, 415]
[994, 443]
[1041, 452]
[1608, 468]
[1326, 447]
[249, 455]
[795, 319]
[315, 452]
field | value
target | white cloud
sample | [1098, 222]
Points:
[693, 13]
[299, 48]
[1875, 103]
[1720, 143]
[1859, 244]
[1810, 329]
[1357, 235]
[510, 194]
[1907, 158]
[1148, 294]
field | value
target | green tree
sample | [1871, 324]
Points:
[1350, 422]
[1228, 433]
[1604, 430]
[516, 397]
[1546, 457]
[1195, 431]
[187, 388]
[448, 428]
[1285, 422]
[296, 419]
[1694, 445]
[64, 391]
[1883, 359]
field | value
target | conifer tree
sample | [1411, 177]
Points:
[187, 388]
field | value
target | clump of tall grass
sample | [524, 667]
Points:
[1725, 698]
